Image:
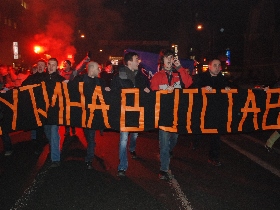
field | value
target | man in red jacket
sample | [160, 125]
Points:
[171, 75]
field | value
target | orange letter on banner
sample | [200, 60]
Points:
[189, 113]
[230, 105]
[157, 105]
[13, 107]
[33, 100]
[82, 104]
[103, 106]
[250, 98]
[175, 114]
[135, 108]
[271, 106]
[203, 112]
[58, 92]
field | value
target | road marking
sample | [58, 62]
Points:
[257, 141]
[180, 195]
[252, 157]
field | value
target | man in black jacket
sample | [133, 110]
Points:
[129, 77]
[51, 128]
[37, 136]
[209, 80]
[90, 80]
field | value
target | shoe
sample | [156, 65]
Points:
[165, 175]
[214, 162]
[8, 153]
[268, 149]
[171, 154]
[89, 165]
[55, 164]
[121, 173]
[133, 155]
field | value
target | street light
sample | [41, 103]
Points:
[199, 27]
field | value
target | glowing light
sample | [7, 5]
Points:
[199, 27]
[100, 50]
[37, 49]
[82, 36]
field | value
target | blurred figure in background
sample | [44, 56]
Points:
[17, 77]
[67, 73]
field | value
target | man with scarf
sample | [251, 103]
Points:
[171, 75]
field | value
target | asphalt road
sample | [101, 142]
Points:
[249, 177]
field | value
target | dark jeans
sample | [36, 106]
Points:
[7, 142]
[90, 137]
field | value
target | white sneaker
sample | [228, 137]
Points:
[8, 153]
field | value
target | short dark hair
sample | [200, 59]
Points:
[69, 62]
[212, 59]
[42, 60]
[129, 57]
[164, 53]
[53, 59]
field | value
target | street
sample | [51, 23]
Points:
[249, 177]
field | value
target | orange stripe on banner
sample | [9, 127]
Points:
[190, 108]
[230, 105]
[173, 128]
[250, 98]
[1, 131]
[135, 108]
[102, 106]
[58, 93]
[70, 104]
[29, 88]
[13, 107]
[46, 99]
[157, 106]
[203, 112]
[271, 106]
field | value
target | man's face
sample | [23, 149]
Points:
[133, 65]
[52, 66]
[66, 66]
[167, 62]
[93, 70]
[215, 67]
[41, 66]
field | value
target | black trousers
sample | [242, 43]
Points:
[215, 146]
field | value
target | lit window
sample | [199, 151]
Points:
[15, 25]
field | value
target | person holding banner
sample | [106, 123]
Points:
[51, 130]
[171, 75]
[90, 80]
[38, 75]
[209, 80]
[128, 77]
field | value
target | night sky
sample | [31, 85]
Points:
[224, 22]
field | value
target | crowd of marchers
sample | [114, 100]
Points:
[170, 75]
